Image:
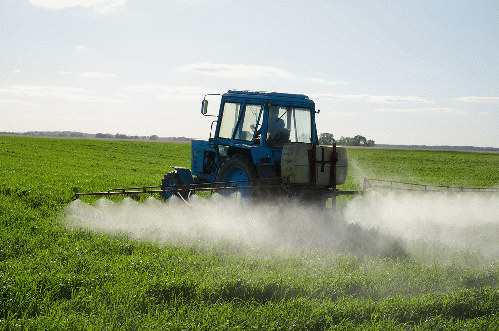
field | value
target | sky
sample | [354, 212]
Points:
[397, 72]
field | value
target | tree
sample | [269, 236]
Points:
[358, 140]
[326, 139]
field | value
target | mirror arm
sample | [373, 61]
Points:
[204, 105]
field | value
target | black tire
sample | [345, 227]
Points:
[238, 167]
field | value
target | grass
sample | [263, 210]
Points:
[453, 168]
[54, 278]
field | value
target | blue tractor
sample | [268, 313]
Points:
[262, 143]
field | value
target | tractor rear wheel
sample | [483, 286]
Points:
[239, 171]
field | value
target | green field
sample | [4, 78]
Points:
[54, 276]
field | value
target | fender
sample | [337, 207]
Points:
[184, 176]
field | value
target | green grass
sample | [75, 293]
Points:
[453, 168]
[53, 277]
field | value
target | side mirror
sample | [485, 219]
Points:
[204, 107]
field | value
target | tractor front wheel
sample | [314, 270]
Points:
[237, 171]
[171, 181]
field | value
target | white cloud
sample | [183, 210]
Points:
[172, 92]
[80, 47]
[70, 89]
[323, 81]
[86, 119]
[59, 92]
[420, 110]
[120, 99]
[17, 70]
[233, 70]
[478, 99]
[98, 5]
[369, 98]
[65, 72]
[96, 75]
[69, 93]
[20, 102]
[342, 114]
[143, 88]
[51, 88]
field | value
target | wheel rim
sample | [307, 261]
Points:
[237, 174]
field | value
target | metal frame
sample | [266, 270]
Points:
[393, 185]
[369, 184]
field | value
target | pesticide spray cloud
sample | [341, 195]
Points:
[462, 220]
[373, 225]
[203, 220]
[281, 226]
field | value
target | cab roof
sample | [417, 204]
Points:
[274, 96]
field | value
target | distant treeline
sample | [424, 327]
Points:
[324, 138]
[358, 140]
[72, 134]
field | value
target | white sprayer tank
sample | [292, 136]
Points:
[295, 164]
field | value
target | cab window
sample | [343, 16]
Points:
[248, 123]
[288, 124]
[229, 119]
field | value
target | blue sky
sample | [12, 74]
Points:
[397, 72]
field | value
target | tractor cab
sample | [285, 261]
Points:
[253, 127]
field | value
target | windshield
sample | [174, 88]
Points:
[288, 124]
[239, 124]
